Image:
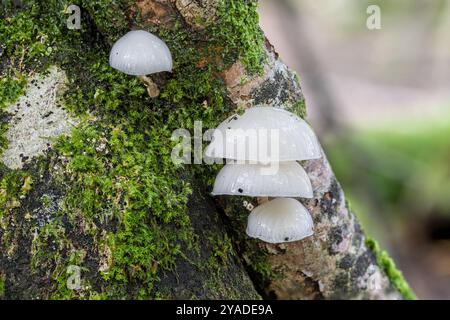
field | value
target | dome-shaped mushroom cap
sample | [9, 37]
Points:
[294, 138]
[280, 220]
[283, 179]
[140, 53]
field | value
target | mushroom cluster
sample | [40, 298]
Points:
[259, 165]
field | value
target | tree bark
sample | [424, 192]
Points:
[335, 263]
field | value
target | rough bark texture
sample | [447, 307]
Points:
[220, 261]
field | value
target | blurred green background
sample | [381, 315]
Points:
[380, 103]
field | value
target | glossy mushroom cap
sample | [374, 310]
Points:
[140, 53]
[264, 134]
[280, 220]
[283, 179]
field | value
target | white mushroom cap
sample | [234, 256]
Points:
[280, 220]
[282, 179]
[264, 134]
[140, 53]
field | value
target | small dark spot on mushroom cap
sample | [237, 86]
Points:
[286, 239]
[233, 118]
[46, 115]
[240, 190]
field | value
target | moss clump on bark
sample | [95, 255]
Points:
[299, 108]
[238, 32]
[2, 287]
[11, 88]
[14, 185]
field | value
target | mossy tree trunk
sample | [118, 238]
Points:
[107, 199]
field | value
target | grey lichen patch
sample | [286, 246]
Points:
[276, 85]
[279, 88]
[105, 255]
[346, 262]
[37, 119]
[374, 282]
[197, 13]
[44, 214]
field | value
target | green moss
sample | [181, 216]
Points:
[135, 185]
[221, 252]
[237, 32]
[45, 201]
[62, 273]
[299, 108]
[42, 249]
[2, 286]
[11, 88]
[388, 266]
[12, 185]
[18, 34]
[34, 34]
[105, 15]
[219, 258]
[260, 266]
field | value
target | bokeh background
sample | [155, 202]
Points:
[380, 103]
